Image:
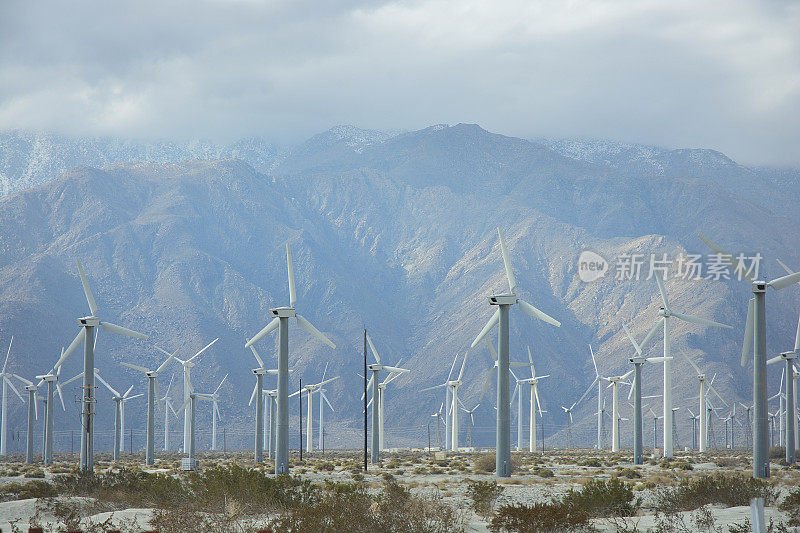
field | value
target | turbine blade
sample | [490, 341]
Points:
[698, 320]
[269, 328]
[464, 362]
[652, 332]
[258, 357]
[512, 283]
[253, 396]
[489, 325]
[13, 388]
[712, 389]
[594, 362]
[135, 367]
[487, 381]
[290, 266]
[36, 406]
[797, 337]
[528, 309]
[538, 403]
[70, 380]
[785, 281]
[786, 268]
[492, 350]
[113, 328]
[374, 351]
[166, 362]
[86, 289]
[23, 380]
[206, 347]
[71, 348]
[109, 387]
[7, 354]
[220, 383]
[748, 331]
[728, 258]
[127, 391]
[324, 397]
[694, 366]
[425, 389]
[633, 341]
[309, 327]
[661, 289]
[155, 393]
[776, 359]
[530, 360]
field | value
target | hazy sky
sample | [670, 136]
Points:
[719, 74]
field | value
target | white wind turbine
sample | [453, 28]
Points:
[323, 398]
[375, 401]
[568, 412]
[533, 381]
[500, 317]
[168, 407]
[601, 401]
[260, 429]
[382, 402]
[191, 404]
[152, 398]
[665, 313]
[187, 391]
[309, 390]
[33, 410]
[87, 337]
[51, 378]
[281, 322]
[638, 360]
[471, 413]
[705, 386]
[215, 416]
[6, 381]
[446, 405]
[119, 412]
[454, 385]
[614, 382]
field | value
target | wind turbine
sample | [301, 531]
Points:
[614, 382]
[781, 397]
[119, 412]
[187, 379]
[51, 378]
[190, 463]
[33, 410]
[259, 373]
[665, 313]
[87, 337]
[272, 396]
[455, 384]
[167, 408]
[533, 381]
[705, 386]
[309, 390]
[215, 416]
[6, 381]
[152, 396]
[281, 322]
[568, 412]
[373, 383]
[638, 360]
[755, 338]
[500, 317]
[601, 403]
[693, 418]
[470, 412]
[445, 405]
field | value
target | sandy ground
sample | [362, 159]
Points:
[569, 470]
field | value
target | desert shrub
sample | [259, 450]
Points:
[325, 466]
[484, 495]
[777, 452]
[31, 489]
[345, 508]
[602, 498]
[629, 473]
[593, 462]
[540, 518]
[35, 473]
[791, 505]
[719, 488]
[253, 491]
[682, 464]
[543, 472]
[130, 487]
[485, 463]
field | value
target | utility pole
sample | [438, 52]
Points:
[365, 399]
[224, 440]
[131, 441]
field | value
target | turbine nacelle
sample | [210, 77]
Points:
[283, 312]
[503, 299]
[89, 321]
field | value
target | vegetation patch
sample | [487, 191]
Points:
[726, 489]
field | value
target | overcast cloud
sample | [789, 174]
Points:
[718, 74]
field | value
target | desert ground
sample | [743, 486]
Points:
[410, 490]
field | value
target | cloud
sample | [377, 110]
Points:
[716, 74]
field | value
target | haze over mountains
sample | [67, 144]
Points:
[392, 232]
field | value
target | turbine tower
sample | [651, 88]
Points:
[119, 412]
[152, 396]
[5, 378]
[446, 405]
[259, 373]
[187, 365]
[533, 381]
[51, 378]
[375, 401]
[601, 402]
[614, 382]
[167, 408]
[281, 322]
[309, 390]
[215, 416]
[665, 313]
[500, 317]
[470, 412]
[33, 410]
[705, 386]
[755, 338]
[87, 337]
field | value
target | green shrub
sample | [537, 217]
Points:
[543, 472]
[601, 498]
[484, 495]
[719, 488]
[791, 505]
[130, 487]
[485, 463]
[31, 489]
[539, 518]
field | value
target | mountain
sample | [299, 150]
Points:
[396, 234]
[30, 158]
